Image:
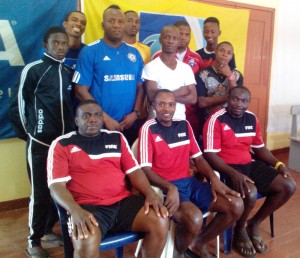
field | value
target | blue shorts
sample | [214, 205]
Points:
[192, 190]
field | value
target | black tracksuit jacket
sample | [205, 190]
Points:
[41, 103]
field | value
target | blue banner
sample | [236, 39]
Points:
[22, 26]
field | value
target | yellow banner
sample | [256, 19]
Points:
[156, 14]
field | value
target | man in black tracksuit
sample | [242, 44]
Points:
[40, 111]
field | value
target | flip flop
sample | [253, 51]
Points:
[243, 248]
[39, 253]
[258, 244]
[190, 254]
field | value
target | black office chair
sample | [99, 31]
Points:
[111, 241]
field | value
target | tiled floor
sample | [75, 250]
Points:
[285, 244]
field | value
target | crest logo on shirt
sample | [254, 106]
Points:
[111, 146]
[192, 62]
[226, 127]
[182, 135]
[131, 57]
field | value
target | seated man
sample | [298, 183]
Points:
[228, 137]
[86, 176]
[165, 148]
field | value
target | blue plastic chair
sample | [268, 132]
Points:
[111, 241]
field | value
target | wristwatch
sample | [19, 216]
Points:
[138, 113]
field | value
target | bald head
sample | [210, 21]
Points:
[169, 39]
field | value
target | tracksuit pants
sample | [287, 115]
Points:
[42, 211]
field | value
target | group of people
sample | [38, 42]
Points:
[173, 104]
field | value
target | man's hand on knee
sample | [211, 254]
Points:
[81, 224]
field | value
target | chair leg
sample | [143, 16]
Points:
[119, 252]
[227, 235]
[138, 247]
[218, 247]
[272, 224]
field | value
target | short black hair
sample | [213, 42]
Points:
[113, 6]
[162, 91]
[86, 102]
[244, 88]
[68, 14]
[225, 42]
[212, 19]
[181, 23]
[52, 30]
[130, 11]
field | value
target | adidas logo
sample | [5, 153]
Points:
[106, 58]
[226, 127]
[75, 149]
[158, 139]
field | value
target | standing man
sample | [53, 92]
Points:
[191, 58]
[184, 54]
[109, 71]
[74, 24]
[228, 136]
[86, 176]
[41, 111]
[211, 33]
[165, 148]
[132, 28]
[166, 72]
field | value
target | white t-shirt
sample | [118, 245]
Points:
[172, 80]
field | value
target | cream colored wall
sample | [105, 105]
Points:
[14, 183]
[276, 139]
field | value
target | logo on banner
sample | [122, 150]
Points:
[11, 52]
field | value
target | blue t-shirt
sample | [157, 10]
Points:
[72, 56]
[112, 74]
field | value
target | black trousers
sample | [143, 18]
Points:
[42, 211]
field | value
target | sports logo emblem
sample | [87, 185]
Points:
[131, 57]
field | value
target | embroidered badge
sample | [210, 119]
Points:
[131, 57]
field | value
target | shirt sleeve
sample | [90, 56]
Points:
[195, 150]
[200, 86]
[189, 76]
[84, 67]
[21, 97]
[257, 140]
[57, 164]
[149, 72]
[212, 135]
[240, 79]
[128, 161]
[145, 148]
[140, 69]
